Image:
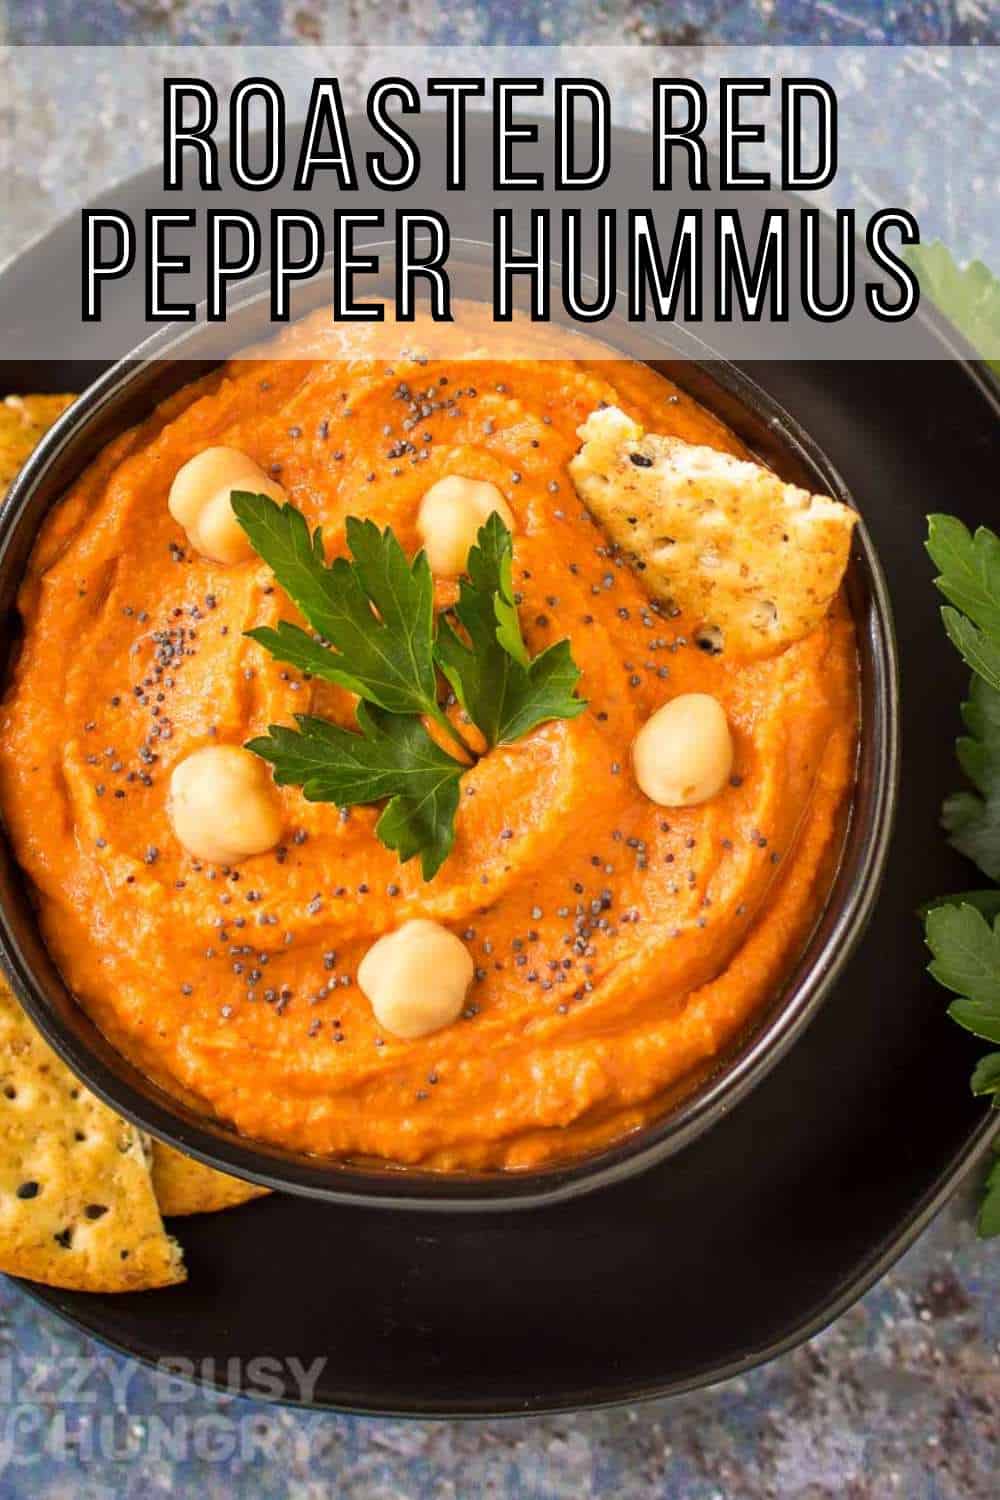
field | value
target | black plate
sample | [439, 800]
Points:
[764, 1229]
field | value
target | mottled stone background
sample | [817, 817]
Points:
[901, 1396]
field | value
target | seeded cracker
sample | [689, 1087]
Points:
[77, 1207]
[184, 1186]
[752, 564]
[24, 420]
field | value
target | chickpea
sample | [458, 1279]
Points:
[222, 805]
[683, 754]
[416, 978]
[200, 500]
[451, 513]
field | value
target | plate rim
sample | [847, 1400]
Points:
[850, 1291]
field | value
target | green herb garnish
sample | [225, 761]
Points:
[504, 692]
[963, 931]
[376, 612]
[392, 758]
[375, 634]
[966, 949]
[969, 295]
[972, 819]
[989, 1209]
[969, 577]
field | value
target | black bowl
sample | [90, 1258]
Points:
[125, 394]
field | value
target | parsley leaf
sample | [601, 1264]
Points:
[989, 1212]
[969, 576]
[986, 1075]
[968, 295]
[968, 569]
[392, 758]
[973, 645]
[290, 643]
[386, 657]
[966, 951]
[972, 819]
[979, 652]
[503, 690]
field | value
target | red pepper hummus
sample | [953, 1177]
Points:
[618, 945]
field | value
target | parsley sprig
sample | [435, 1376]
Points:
[963, 931]
[375, 633]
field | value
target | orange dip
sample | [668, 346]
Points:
[619, 945]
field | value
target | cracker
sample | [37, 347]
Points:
[77, 1207]
[24, 420]
[184, 1186]
[750, 564]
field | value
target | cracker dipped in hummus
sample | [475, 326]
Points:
[624, 885]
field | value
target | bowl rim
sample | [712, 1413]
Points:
[848, 908]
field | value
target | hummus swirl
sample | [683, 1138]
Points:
[619, 947]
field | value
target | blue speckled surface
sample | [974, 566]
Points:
[398, 22]
[901, 1396]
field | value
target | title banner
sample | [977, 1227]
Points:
[752, 203]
